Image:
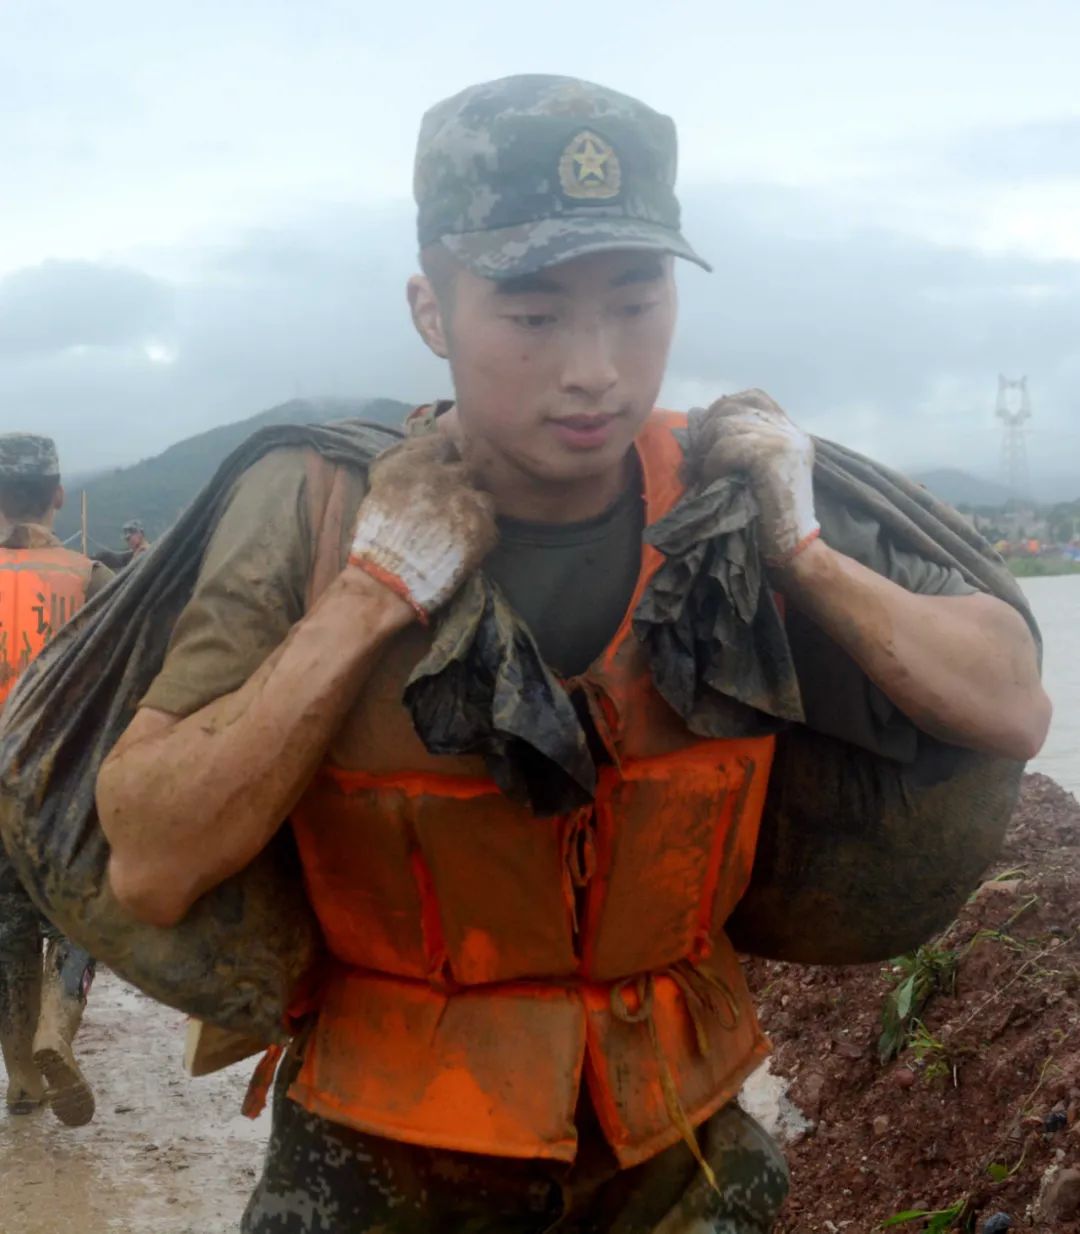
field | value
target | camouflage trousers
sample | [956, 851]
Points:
[22, 931]
[323, 1178]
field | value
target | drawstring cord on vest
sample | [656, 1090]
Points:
[579, 859]
[700, 990]
[704, 992]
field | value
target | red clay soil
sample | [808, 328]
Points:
[997, 1093]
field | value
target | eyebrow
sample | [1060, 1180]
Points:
[646, 272]
[525, 283]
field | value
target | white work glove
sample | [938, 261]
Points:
[748, 432]
[422, 528]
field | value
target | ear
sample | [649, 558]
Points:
[427, 315]
[58, 498]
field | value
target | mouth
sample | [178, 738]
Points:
[584, 432]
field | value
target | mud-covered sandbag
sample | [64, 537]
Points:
[241, 951]
[861, 858]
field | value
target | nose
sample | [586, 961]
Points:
[589, 366]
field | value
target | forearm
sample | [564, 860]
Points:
[962, 668]
[186, 803]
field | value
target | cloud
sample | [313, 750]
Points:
[889, 343]
[60, 305]
[1039, 150]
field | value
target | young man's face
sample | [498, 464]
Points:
[554, 373]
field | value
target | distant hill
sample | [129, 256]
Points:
[959, 488]
[157, 489]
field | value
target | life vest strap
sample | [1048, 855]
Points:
[700, 990]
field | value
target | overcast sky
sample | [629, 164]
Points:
[204, 207]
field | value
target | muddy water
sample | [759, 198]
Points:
[1056, 603]
[164, 1155]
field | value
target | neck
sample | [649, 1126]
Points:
[22, 533]
[521, 496]
[44, 521]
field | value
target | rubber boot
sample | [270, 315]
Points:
[63, 1000]
[20, 998]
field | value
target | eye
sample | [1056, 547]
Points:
[638, 309]
[532, 321]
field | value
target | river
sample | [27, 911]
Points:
[1056, 603]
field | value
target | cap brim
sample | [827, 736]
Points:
[508, 252]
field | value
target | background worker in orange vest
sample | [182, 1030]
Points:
[42, 584]
[531, 1018]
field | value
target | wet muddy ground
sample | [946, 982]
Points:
[165, 1154]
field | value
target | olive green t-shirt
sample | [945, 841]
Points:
[571, 583]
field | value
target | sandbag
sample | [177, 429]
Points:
[242, 952]
[861, 858]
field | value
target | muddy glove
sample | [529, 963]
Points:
[422, 528]
[748, 432]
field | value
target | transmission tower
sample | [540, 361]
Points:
[1014, 411]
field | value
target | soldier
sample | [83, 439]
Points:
[135, 538]
[42, 584]
[527, 1021]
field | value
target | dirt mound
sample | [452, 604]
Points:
[977, 1114]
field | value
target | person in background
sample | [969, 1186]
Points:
[42, 585]
[135, 537]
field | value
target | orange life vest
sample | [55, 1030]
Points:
[40, 589]
[487, 962]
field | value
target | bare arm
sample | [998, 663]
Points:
[185, 803]
[962, 668]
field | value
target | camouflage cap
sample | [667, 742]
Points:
[131, 526]
[526, 172]
[27, 454]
